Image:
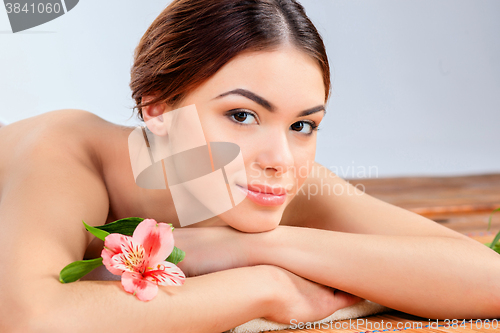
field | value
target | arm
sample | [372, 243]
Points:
[432, 277]
[44, 199]
[365, 247]
[383, 253]
[40, 214]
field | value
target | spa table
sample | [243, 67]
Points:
[463, 204]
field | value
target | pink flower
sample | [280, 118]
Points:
[140, 259]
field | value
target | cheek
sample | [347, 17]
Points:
[210, 128]
[218, 128]
[212, 123]
[303, 164]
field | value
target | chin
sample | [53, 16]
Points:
[253, 228]
[254, 221]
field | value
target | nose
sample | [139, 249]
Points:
[274, 153]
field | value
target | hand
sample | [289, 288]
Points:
[210, 249]
[303, 300]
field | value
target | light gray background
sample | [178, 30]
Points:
[416, 84]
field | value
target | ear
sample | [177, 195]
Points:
[153, 116]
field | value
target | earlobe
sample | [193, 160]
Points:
[157, 125]
[153, 117]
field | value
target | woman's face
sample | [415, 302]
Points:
[268, 103]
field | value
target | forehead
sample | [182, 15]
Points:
[287, 77]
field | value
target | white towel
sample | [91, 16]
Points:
[360, 309]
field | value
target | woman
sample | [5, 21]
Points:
[258, 75]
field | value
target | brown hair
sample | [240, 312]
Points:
[192, 39]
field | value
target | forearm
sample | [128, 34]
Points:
[210, 303]
[434, 277]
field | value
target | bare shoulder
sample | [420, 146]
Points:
[47, 191]
[64, 132]
[56, 117]
[308, 208]
[326, 201]
[50, 159]
[50, 146]
[66, 125]
[58, 121]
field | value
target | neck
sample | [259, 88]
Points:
[126, 198]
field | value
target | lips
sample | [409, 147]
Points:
[264, 195]
[265, 189]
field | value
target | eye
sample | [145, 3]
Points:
[309, 127]
[243, 117]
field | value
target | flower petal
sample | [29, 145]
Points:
[134, 283]
[134, 256]
[112, 246]
[156, 238]
[166, 274]
[113, 242]
[119, 262]
[106, 260]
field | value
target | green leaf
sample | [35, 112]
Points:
[77, 269]
[101, 234]
[495, 240]
[124, 226]
[489, 221]
[176, 256]
[495, 247]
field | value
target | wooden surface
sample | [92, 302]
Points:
[463, 204]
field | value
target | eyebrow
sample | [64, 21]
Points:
[266, 104]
